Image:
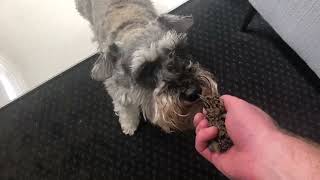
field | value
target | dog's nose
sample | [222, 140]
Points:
[192, 94]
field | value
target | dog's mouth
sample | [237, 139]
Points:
[195, 98]
[177, 112]
[188, 103]
[191, 96]
[193, 102]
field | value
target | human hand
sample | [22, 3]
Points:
[251, 131]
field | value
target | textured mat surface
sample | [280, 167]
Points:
[66, 129]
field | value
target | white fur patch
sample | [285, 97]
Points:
[170, 40]
[150, 54]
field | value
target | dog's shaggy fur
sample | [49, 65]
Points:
[145, 64]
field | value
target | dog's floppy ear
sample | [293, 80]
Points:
[104, 65]
[181, 24]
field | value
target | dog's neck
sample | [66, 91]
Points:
[130, 33]
[123, 21]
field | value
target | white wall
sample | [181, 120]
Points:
[11, 82]
[164, 6]
[42, 38]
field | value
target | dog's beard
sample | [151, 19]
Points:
[171, 113]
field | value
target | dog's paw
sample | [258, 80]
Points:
[128, 130]
[129, 122]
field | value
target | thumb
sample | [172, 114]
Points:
[232, 102]
[229, 101]
[203, 136]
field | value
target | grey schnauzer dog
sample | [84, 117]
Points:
[145, 64]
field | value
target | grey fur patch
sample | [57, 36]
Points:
[84, 7]
[127, 25]
[149, 64]
[120, 5]
[180, 24]
[105, 64]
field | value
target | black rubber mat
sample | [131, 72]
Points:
[65, 129]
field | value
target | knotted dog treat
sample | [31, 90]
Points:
[216, 117]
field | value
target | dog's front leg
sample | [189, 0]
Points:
[129, 118]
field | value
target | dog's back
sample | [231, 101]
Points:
[116, 20]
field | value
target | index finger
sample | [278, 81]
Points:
[197, 118]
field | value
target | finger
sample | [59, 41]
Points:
[202, 124]
[228, 101]
[202, 138]
[208, 155]
[232, 102]
[197, 118]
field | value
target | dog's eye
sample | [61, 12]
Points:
[171, 55]
[192, 94]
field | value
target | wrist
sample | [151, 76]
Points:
[289, 157]
[272, 157]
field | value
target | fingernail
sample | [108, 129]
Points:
[198, 116]
[204, 111]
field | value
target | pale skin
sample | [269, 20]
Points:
[261, 150]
